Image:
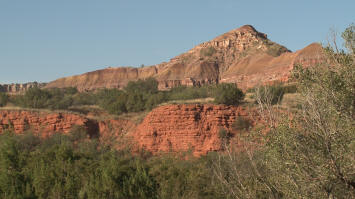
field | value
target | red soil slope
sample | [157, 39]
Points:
[243, 56]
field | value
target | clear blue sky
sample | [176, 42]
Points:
[42, 40]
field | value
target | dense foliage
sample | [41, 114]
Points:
[137, 96]
[308, 153]
[228, 94]
[3, 99]
[70, 166]
[46, 98]
[272, 94]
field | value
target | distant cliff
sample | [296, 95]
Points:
[19, 88]
[243, 56]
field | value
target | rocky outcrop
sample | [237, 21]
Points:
[169, 128]
[46, 124]
[19, 88]
[243, 56]
[195, 127]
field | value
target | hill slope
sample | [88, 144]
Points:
[243, 55]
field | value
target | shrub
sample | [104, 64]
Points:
[228, 94]
[147, 86]
[85, 99]
[269, 94]
[112, 100]
[292, 88]
[4, 98]
[34, 98]
[241, 124]
[154, 100]
[185, 93]
[135, 102]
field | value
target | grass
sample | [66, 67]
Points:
[192, 101]
[291, 100]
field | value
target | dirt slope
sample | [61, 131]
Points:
[243, 55]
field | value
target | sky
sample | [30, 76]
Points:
[42, 40]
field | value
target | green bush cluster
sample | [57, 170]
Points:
[137, 96]
[70, 166]
[228, 94]
[46, 98]
[271, 94]
[186, 93]
[4, 98]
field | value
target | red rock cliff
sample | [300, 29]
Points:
[170, 128]
[187, 127]
[45, 124]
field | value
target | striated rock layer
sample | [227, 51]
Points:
[243, 56]
[177, 128]
[170, 128]
[46, 124]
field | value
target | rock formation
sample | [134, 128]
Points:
[243, 56]
[188, 127]
[19, 88]
[46, 124]
[184, 127]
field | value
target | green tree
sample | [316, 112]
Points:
[349, 38]
[147, 86]
[315, 149]
[34, 98]
[228, 94]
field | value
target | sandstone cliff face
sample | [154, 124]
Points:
[169, 128]
[46, 124]
[243, 56]
[43, 123]
[19, 88]
[177, 128]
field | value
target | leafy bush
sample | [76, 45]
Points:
[186, 93]
[135, 102]
[270, 94]
[85, 98]
[228, 94]
[71, 166]
[112, 100]
[4, 98]
[241, 124]
[147, 86]
[292, 88]
[34, 98]
[154, 100]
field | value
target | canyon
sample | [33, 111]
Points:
[190, 127]
[243, 56]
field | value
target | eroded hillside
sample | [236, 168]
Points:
[243, 55]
